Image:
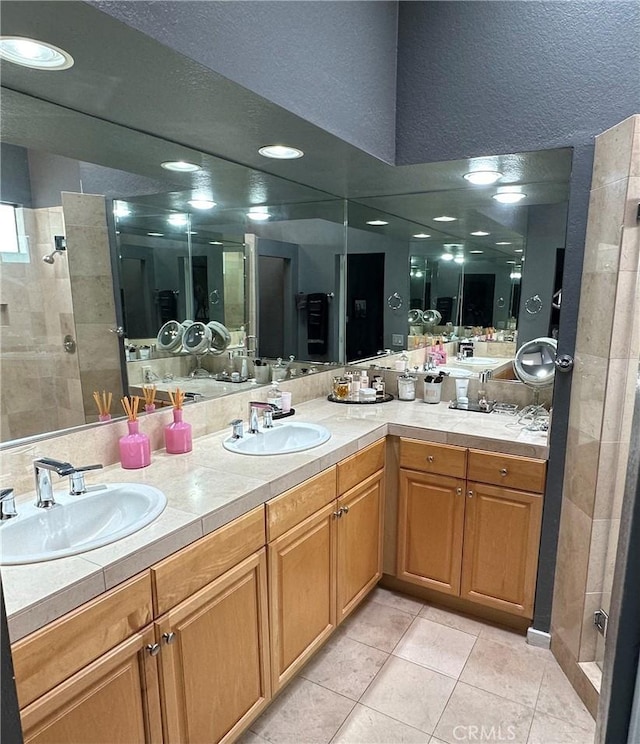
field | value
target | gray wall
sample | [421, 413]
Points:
[50, 176]
[479, 78]
[331, 63]
[15, 186]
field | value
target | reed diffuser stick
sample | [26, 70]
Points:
[149, 393]
[103, 403]
[177, 398]
[130, 406]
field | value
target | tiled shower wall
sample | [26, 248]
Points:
[606, 361]
[93, 301]
[40, 380]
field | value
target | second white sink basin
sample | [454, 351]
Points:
[294, 436]
[78, 523]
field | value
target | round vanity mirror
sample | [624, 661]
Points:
[196, 338]
[220, 337]
[534, 363]
[432, 317]
[169, 337]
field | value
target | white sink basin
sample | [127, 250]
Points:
[294, 436]
[476, 360]
[78, 523]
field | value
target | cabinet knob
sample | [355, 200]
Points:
[338, 514]
[345, 509]
[169, 637]
[470, 494]
[503, 471]
[153, 649]
[459, 491]
[430, 458]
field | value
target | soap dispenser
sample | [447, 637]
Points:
[274, 396]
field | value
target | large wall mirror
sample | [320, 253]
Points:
[315, 277]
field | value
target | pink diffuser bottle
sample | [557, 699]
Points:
[177, 435]
[135, 447]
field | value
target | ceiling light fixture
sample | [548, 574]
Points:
[480, 234]
[503, 242]
[377, 223]
[201, 203]
[35, 54]
[483, 178]
[258, 214]
[446, 256]
[216, 242]
[121, 209]
[459, 258]
[280, 152]
[476, 251]
[155, 235]
[518, 250]
[421, 235]
[509, 196]
[180, 166]
[444, 218]
[177, 219]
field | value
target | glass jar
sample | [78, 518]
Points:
[406, 387]
[340, 388]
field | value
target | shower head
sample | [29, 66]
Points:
[51, 257]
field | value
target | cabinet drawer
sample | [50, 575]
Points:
[47, 657]
[510, 471]
[360, 466]
[441, 459]
[296, 504]
[184, 573]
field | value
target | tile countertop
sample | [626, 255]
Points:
[210, 486]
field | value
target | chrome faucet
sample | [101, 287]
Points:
[7, 504]
[267, 408]
[44, 466]
[237, 432]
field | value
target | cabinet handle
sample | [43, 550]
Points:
[169, 637]
[338, 514]
[459, 491]
[345, 509]
[503, 471]
[470, 494]
[153, 649]
[430, 458]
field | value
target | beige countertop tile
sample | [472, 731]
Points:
[210, 486]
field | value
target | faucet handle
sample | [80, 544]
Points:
[267, 418]
[238, 431]
[7, 504]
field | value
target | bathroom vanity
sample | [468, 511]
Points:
[194, 623]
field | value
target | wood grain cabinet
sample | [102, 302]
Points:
[469, 523]
[325, 555]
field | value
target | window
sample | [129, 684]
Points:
[8, 229]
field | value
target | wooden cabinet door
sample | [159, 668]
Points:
[430, 530]
[215, 666]
[302, 592]
[359, 542]
[501, 543]
[113, 699]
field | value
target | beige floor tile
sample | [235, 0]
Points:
[345, 666]
[377, 625]
[366, 726]
[548, 730]
[396, 600]
[513, 639]
[474, 715]
[452, 619]
[436, 741]
[513, 673]
[409, 693]
[558, 698]
[305, 712]
[435, 646]
[250, 738]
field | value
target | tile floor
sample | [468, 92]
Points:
[400, 671]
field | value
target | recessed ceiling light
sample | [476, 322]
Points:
[377, 223]
[258, 214]
[503, 242]
[476, 251]
[510, 262]
[180, 166]
[509, 197]
[191, 232]
[421, 235]
[35, 54]
[155, 235]
[201, 203]
[444, 218]
[216, 242]
[281, 152]
[177, 219]
[459, 258]
[518, 250]
[483, 178]
[480, 233]
[447, 257]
